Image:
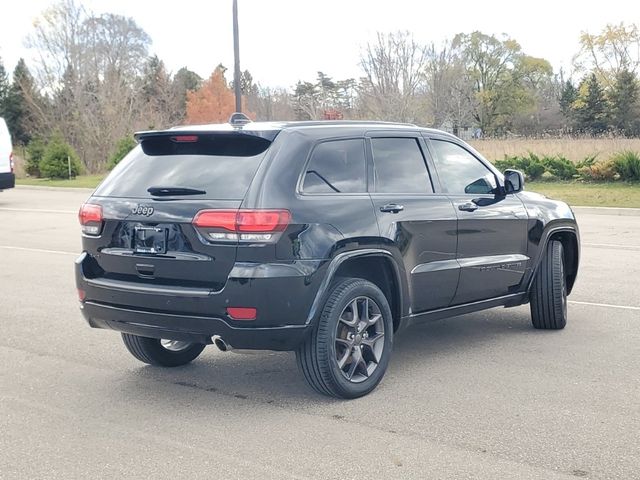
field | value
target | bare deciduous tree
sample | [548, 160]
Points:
[394, 67]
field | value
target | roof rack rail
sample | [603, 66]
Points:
[238, 119]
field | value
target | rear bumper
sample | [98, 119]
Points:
[191, 328]
[282, 295]
[7, 180]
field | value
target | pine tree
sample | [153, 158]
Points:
[25, 98]
[568, 97]
[5, 92]
[624, 101]
[591, 107]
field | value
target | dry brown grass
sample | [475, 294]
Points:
[575, 149]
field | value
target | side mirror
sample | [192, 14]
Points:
[513, 181]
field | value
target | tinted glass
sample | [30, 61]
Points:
[461, 172]
[399, 166]
[220, 176]
[336, 167]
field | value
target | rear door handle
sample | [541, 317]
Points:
[392, 208]
[468, 207]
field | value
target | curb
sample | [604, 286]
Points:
[55, 189]
[625, 211]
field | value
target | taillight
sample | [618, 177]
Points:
[90, 217]
[242, 225]
[11, 164]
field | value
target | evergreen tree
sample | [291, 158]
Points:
[24, 98]
[568, 97]
[5, 92]
[591, 107]
[624, 100]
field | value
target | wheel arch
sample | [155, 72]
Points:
[375, 265]
[569, 237]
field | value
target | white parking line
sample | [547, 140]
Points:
[611, 245]
[34, 210]
[39, 250]
[606, 305]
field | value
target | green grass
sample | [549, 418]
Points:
[614, 194]
[82, 181]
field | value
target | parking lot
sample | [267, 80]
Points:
[478, 396]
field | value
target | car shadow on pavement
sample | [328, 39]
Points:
[273, 377]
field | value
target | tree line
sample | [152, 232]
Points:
[94, 82]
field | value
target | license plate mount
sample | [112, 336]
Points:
[150, 240]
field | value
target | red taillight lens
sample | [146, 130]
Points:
[246, 225]
[90, 217]
[225, 219]
[11, 164]
[242, 313]
[262, 220]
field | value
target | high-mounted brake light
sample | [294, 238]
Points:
[243, 225]
[90, 217]
[185, 138]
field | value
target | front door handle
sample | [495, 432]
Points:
[392, 208]
[468, 207]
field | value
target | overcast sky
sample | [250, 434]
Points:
[283, 41]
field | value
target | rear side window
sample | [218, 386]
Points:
[226, 174]
[336, 166]
[399, 166]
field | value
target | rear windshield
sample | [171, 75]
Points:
[224, 177]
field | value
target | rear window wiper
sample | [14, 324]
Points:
[166, 191]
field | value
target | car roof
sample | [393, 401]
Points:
[314, 128]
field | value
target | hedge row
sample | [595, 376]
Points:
[620, 166]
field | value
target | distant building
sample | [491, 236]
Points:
[464, 132]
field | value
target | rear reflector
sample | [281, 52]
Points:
[81, 294]
[242, 313]
[90, 217]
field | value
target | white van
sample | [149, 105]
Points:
[7, 177]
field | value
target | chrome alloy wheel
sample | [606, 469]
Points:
[175, 345]
[359, 339]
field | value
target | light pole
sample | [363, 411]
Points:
[236, 55]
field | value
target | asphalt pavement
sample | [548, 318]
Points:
[480, 396]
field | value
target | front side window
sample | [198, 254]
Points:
[461, 172]
[336, 166]
[399, 166]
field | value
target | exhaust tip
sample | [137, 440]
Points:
[220, 343]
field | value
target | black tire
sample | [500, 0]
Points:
[152, 351]
[549, 290]
[364, 348]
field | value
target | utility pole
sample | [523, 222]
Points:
[236, 55]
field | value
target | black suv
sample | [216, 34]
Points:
[318, 237]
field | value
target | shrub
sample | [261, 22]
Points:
[124, 146]
[559, 167]
[588, 161]
[598, 171]
[531, 165]
[54, 163]
[627, 165]
[35, 151]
